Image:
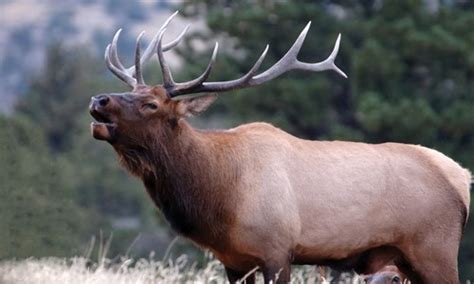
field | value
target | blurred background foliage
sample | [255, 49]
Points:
[411, 80]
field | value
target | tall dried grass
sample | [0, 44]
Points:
[128, 270]
[81, 270]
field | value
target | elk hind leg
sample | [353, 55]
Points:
[434, 262]
[277, 271]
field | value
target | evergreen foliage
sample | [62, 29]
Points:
[60, 186]
[37, 213]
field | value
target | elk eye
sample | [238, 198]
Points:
[396, 279]
[150, 106]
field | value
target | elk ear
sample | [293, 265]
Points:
[196, 105]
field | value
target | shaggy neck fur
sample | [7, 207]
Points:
[186, 179]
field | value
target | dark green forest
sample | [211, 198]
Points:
[411, 80]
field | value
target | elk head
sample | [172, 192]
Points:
[133, 117]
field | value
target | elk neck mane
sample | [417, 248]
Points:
[187, 172]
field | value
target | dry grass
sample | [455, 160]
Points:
[81, 270]
[85, 270]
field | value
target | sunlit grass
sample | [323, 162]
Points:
[127, 270]
[100, 269]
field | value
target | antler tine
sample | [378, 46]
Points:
[138, 63]
[286, 62]
[165, 69]
[222, 86]
[247, 77]
[128, 74]
[151, 48]
[114, 53]
[289, 61]
[176, 41]
[119, 73]
[327, 64]
[199, 80]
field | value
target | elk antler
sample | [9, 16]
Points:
[133, 75]
[288, 62]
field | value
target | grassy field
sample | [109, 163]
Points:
[123, 270]
[120, 270]
[126, 270]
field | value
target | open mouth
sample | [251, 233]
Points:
[103, 128]
[101, 118]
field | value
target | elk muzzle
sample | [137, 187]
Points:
[103, 127]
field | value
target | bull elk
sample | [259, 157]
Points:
[257, 196]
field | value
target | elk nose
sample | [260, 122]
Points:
[102, 100]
